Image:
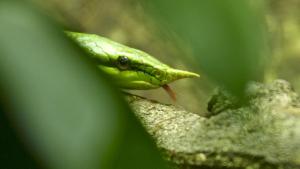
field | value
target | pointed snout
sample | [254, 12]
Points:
[175, 74]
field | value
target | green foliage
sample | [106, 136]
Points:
[226, 36]
[63, 107]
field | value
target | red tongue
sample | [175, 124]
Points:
[170, 92]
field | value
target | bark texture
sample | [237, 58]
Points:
[262, 134]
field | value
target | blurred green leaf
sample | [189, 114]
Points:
[227, 37]
[13, 155]
[67, 112]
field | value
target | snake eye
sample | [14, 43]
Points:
[123, 62]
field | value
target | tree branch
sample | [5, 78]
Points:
[260, 135]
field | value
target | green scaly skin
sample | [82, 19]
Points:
[141, 70]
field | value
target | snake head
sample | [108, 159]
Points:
[130, 68]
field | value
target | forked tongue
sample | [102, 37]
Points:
[170, 92]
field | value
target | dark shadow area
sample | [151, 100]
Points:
[13, 154]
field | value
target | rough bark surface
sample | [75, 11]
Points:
[262, 134]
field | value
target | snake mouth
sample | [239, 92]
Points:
[141, 80]
[132, 79]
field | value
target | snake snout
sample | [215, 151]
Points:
[175, 74]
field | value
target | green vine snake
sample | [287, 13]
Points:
[129, 67]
